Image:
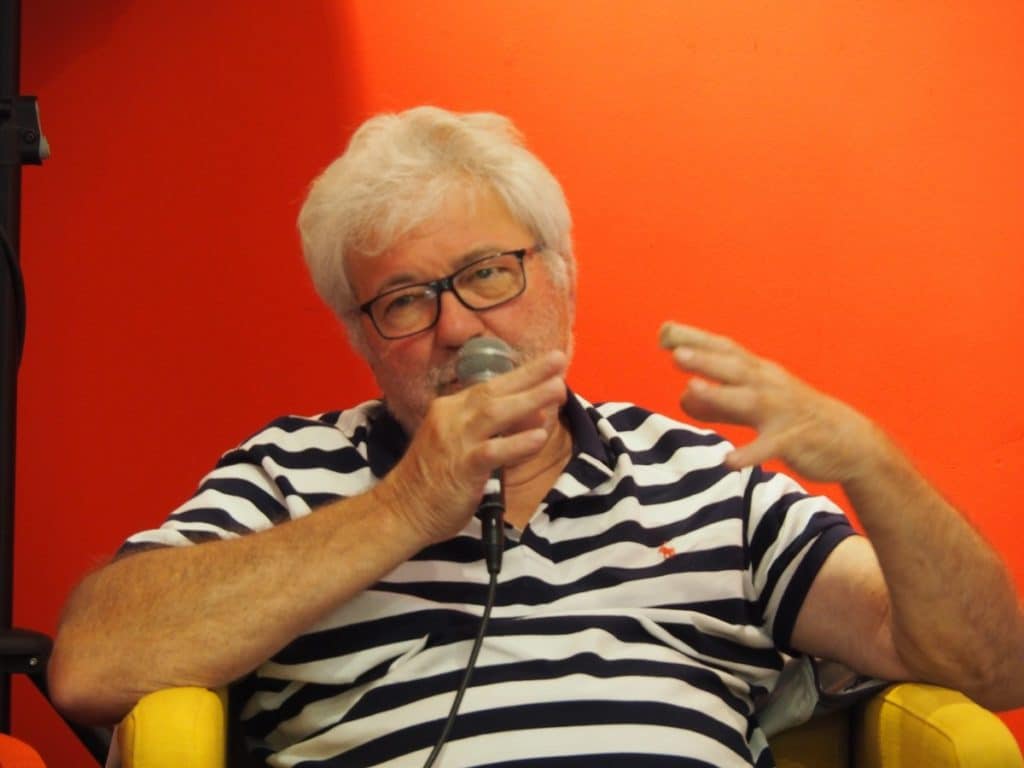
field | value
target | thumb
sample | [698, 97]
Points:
[758, 451]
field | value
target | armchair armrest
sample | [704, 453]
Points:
[913, 725]
[175, 728]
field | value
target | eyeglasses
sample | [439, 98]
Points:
[482, 284]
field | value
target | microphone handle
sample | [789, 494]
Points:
[492, 515]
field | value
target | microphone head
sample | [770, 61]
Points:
[483, 358]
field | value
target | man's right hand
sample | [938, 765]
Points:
[183, 616]
[465, 436]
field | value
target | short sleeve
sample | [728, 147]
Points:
[281, 473]
[789, 535]
[236, 498]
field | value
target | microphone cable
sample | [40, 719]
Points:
[492, 513]
[470, 665]
[480, 359]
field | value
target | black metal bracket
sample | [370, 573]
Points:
[21, 138]
[24, 652]
[22, 142]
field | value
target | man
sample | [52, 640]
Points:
[653, 577]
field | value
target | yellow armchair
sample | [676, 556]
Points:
[175, 728]
[905, 726]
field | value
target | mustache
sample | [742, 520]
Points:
[441, 377]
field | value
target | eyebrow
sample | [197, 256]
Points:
[408, 278]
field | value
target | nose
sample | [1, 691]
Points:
[456, 324]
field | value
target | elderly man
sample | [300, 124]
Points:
[330, 568]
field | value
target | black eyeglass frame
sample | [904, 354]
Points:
[447, 283]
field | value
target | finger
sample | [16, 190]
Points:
[490, 415]
[550, 364]
[724, 404]
[754, 453]
[676, 334]
[532, 420]
[730, 367]
[505, 450]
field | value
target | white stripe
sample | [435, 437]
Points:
[239, 509]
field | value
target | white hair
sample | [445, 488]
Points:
[395, 174]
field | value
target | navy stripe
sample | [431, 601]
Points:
[530, 590]
[294, 424]
[691, 484]
[343, 460]
[636, 532]
[672, 441]
[618, 760]
[461, 549]
[445, 627]
[213, 516]
[200, 537]
[258, 497]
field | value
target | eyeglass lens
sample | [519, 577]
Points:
[485, 283]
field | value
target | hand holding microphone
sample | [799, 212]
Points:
[494, 421]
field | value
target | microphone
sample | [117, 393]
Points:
[480, 359]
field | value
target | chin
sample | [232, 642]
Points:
[409, 407]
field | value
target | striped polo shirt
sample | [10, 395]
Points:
[639, 614]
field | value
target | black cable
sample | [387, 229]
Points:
[470, 665]
[18, 289]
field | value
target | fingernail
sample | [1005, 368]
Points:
[683, 354]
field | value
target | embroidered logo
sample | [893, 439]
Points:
[667, 551]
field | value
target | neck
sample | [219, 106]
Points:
[527, 483]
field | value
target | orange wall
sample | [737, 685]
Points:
[838, 185]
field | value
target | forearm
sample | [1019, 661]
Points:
[938, 603]
[955, 616]
[208, 614]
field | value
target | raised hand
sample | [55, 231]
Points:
[818, 436]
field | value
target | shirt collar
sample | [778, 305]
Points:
[581, 419]
[388, 441]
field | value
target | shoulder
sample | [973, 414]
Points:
[331, 430]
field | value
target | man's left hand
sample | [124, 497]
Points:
[818, 436]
